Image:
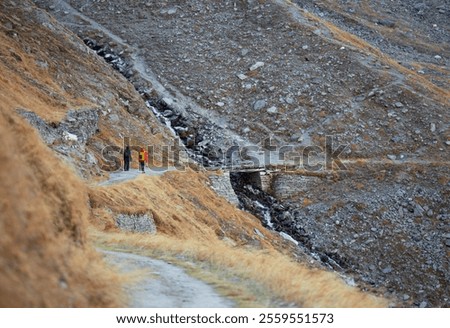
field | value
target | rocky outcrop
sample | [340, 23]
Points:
[140, 223]
[69, 137]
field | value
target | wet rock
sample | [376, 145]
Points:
[167, 113]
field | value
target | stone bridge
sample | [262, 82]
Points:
[281, 183]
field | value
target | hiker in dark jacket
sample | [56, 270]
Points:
[127, 158]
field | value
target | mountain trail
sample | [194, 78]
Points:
[163, 285]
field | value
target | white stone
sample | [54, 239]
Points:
[242, 76]
[272, 110]
[69, 136]
[220, 104]
[256, 66]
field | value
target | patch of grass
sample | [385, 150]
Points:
[281, 277]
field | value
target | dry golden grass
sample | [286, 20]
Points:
[181, 203]
[24, 85]
[281, 276]
[45, 260]
[194, 223]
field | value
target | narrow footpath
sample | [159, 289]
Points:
[163, 285]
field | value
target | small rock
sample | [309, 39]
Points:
[256, 66]
[386, 22]
[258, 233]
[387, 270]
[289, 100]
[447, 143]
[114, 118]
[423, 305]
[305, 47]
[392, 157]
[63, 284]
[433, 127]
[242, 76]
[259, 104]
[220, 104]
[167, 101]
[406, 297]
[244, 52]
[437, 57]
[167, 113]
[398, 104]
[272, 110]
[172, 11]
[447, 243]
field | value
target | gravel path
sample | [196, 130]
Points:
[164, 285]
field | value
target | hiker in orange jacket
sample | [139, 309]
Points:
[143, 157]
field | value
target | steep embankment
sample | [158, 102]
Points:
[45, 260]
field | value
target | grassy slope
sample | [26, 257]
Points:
[195, 223]
[45, 260]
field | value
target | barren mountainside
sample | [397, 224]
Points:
[254, 97]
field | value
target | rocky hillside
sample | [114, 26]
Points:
[209, 77]
[261, 68]
[65, 113]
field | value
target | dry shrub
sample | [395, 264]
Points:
[45, 260]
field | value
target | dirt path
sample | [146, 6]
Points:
[164, 285]
[122, 176]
